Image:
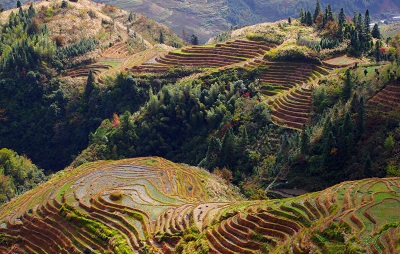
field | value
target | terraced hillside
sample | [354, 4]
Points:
[218, 55]
[103, 206]
[288, 88]
[292, 109]
[388, 99]
[151, 204]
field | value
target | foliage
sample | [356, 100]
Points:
[17, 174]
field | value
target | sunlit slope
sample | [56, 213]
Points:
[153, 205]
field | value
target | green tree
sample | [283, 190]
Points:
[290, 20]
[309, 21]
[90, 85]
[347, 87]
[367, 21]
[316, 11]
[375, 32]
[18, 4]
[64, 4]
[368, 166]
[161, 38]
[194, 40]
[228, 149]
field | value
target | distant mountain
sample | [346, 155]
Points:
[210, 17]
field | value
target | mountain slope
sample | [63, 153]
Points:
[208, 18]
[150, 205]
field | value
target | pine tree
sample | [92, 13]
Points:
[228, 149]
[367, 21]
[368, 166]
[194, 40]
[18, 4]
[342, 17]
[302, 16]
[317, 11]
[89, 85]
[341, 20]
[130, 17]
[375, 32]
[305, 142]
[378, 51]
[309, 20]
[346, 90]
[161, 39]
[290, 20]
[360, 118]
[330, 13]
[213, 153]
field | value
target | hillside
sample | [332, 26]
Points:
[65, 43]
[151, 205]
[207, 19]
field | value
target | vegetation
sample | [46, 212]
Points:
[278, 109]
[17, 175]
[164, 206]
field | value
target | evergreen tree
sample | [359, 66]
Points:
[290, 20]
[194, 40]
[309, 21]
[18, 4]
[305, 142]
[130, 17]
[368, 166]
[378, 51]
[329, 13]
[228, 149]
[360, 118]
[316, 11]
[161, 39]
[367, 21]
[64, 4]
[346, 90]
[341, 20]
[302, 16]
[89, 85]
[375, 32]
[212, 159]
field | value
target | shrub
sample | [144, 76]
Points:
[116, 195]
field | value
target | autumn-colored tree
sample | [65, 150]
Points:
[331, 28]
[116, 122]
[224, 173]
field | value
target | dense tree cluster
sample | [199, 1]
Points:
[17, 174]
[337, 29]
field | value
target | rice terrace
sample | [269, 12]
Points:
[153, 204]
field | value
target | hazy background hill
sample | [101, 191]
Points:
[207, 18]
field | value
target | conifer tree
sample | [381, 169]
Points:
[18, 4]
[309, 20]
[89, 85]
[317, 11]
[161, 39]
[367, 21]
[375, 32]
[346, 90]
[228, 149]
[368, 166]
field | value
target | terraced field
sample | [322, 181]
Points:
[292, 109]
[386, 100]
[151, 204]
[208, 56]
[288, 87]
[341, 61]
